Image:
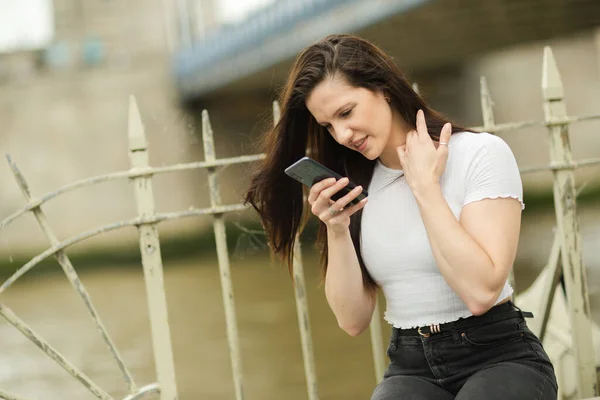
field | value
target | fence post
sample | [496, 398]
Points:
[554, 270]
[565, 199]
[377, 342]
[487, 112]
[302, 306]
[223, 258]
[151, 258]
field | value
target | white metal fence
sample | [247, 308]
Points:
[565, 257]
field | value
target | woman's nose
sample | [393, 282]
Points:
[345, 136]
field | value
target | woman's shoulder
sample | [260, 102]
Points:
[473, 141]
[471, 145]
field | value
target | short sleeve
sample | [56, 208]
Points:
[493, 172]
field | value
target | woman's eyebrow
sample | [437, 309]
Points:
[335, 113]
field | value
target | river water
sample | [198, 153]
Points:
[266, 315]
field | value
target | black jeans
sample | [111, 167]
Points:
[501, 360]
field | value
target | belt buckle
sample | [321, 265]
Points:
[435, 328]
[424, 334]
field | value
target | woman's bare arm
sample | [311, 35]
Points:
[476, 253]
[351, 303]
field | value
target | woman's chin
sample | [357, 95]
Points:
[370, 154]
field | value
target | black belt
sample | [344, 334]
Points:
[497, 313]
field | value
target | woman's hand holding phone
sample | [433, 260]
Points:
[334, 214]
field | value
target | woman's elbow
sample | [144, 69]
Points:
[481, 304]
[355, 326]
[354, 329]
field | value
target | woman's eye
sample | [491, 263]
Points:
[346, 113]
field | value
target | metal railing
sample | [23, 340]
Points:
[565, 256]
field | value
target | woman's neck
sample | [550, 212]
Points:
[389, 155]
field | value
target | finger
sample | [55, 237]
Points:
[343, 202]
[348, 211]
[316, 189]
[446, 133]
[421, 124]
[444, 138]
[410, 137]
[326, 194]
[401, 153]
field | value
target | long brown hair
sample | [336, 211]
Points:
[277, 198]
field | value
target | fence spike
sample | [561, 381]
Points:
[415, 87]
[565, 195]
[487, 113]
[151, 257]
[136, 135]
[276, 112]
[487, 104]
[302, 309]
[223, 260]
[552, 86]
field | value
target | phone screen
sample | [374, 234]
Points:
[308, 171]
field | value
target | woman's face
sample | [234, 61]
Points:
[355, 117]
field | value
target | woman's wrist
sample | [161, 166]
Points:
[337, 231]
[423, 192]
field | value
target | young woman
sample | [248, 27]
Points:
[438, 232]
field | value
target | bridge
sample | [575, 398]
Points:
[423, 35]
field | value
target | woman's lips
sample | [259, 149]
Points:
[363, 145]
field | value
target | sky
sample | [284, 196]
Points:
[236, 10]
[25, 24]
[28, 24]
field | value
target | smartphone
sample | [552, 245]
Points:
[308, 171]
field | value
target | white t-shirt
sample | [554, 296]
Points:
[394, 243]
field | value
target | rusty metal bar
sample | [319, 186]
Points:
[9, 396]
[557, 166]
[530, 124]
[143, 391]
[73, 277]
[223, 258]
[565, 196]
[304, 323]
[487, 112]
[554, 271]
[302, 305]
[554, 268]
[114, 226]
[22, 327]
[151, 259]
[36, 202]
[377, 343]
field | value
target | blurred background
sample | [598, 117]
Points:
[67, 68]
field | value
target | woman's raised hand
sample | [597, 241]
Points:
[335, 214]
[422, 160]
